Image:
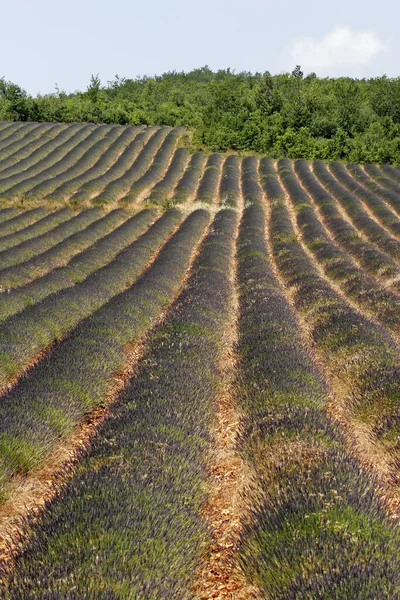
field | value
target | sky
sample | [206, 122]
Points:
[48, 42]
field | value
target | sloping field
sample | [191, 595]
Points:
[199, 371]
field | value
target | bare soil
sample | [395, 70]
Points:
[226, 508]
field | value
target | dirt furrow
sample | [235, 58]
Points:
[220, 576]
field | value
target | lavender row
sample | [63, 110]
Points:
[378, 175]
[21, 220]
[31, 230]
[118, 187]
[26, 334]
[160, 193]
[79, 267]
[189, 182]
[148, 484]
[369, 256]
[361, 358]
[75, 375]
[18, 184]
[208, 187]
[157, 168]
[26, 250]
[251, 189]
[379, 208]
[19, 147]
[392, 172]
[92, 173]
[14, 130]
[59, 254]
[40, 152]
[309, 490]
[381, 304]
[229, 189]
[83, 147]
[14, 135]
[354, 208]
[7, 214]
[388, 196]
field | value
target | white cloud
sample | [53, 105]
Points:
[342, 48]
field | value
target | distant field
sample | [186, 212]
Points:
[199, 370]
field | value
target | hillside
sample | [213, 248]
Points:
[105, 166]
[199, 370]
[283, 116]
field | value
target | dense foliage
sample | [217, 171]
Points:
[286, 115]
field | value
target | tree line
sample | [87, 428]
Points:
[286, 115]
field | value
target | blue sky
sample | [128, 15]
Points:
[44, 42]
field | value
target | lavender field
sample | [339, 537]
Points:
[199, 370]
